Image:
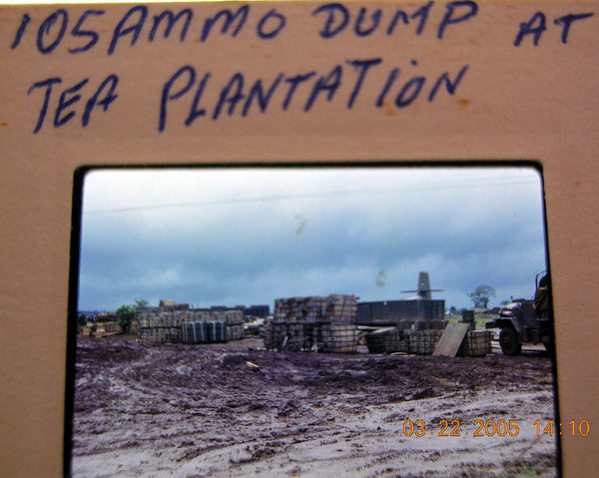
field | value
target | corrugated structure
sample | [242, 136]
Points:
[321, 324]
[391, 311]
[390, 340]
[169, 324]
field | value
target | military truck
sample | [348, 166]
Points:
[527, 320]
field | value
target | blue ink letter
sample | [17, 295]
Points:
[328, 31]
[166, 90]
[76, 32]
[171, 20]
[272, 14]
[362, 66]
[529, 29]
[135, 29]
[62, 104]
[105, 103]
[48, 85]
[567, 21]
[45, 29]
[229, 19]
[448, 18]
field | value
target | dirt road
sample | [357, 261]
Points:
[234, 410]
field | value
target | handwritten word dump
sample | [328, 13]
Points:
[85, 32]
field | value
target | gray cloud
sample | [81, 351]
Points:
[247, 236]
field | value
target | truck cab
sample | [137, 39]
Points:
[526, 320]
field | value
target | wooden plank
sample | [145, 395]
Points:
[450, 341]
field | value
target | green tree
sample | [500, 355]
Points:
[141, 303]
[81, 322]
[125, 317]
[481, 295]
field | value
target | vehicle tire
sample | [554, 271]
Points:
[550, 347]
[508, 340]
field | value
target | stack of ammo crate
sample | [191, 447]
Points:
[179, 323]
[333, 308]
[387, 340]
[424, 341]
[390, 340]
[477, 343]
[339, 338]
[324, 324]
[159, 326]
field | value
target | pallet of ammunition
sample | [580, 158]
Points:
[161, 335]
[227, 324]
[310, 336]
[388, 340]
[476, 343]
[424, 341]
[333, 308]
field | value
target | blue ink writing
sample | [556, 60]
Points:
[46, 28]
[361, 66]
[277, 17]
[71, 96]
[230, 17]
[166, 92]
[257, 91]
[171, 20]
[196, 111]
[294, 82]
[111, 80]
[24, 22]
[77, 32]
[376, 18]
[449, 18]
[64, 103]
[329, 83]
[135, 29]
[48, 85]
[535, 27]
[237, 90]
[567, 20]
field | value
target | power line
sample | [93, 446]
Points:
[218, 202]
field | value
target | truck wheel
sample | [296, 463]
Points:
[508, 340]
[550, 347]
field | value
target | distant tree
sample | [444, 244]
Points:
[453, 310]
[125, 317]
[141, 303]
[505, 302]
[481, 295]
[81, 322]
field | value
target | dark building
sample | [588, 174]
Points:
[419, 307]
[258, 310]
[391, 311]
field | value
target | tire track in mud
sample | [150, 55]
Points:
[159, 410]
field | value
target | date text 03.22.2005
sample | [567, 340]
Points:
[452, 428]
[491, 427]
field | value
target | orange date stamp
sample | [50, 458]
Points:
[491, 428]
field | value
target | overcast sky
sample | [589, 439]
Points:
[224, 236]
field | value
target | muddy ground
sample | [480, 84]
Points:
[227, 410]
